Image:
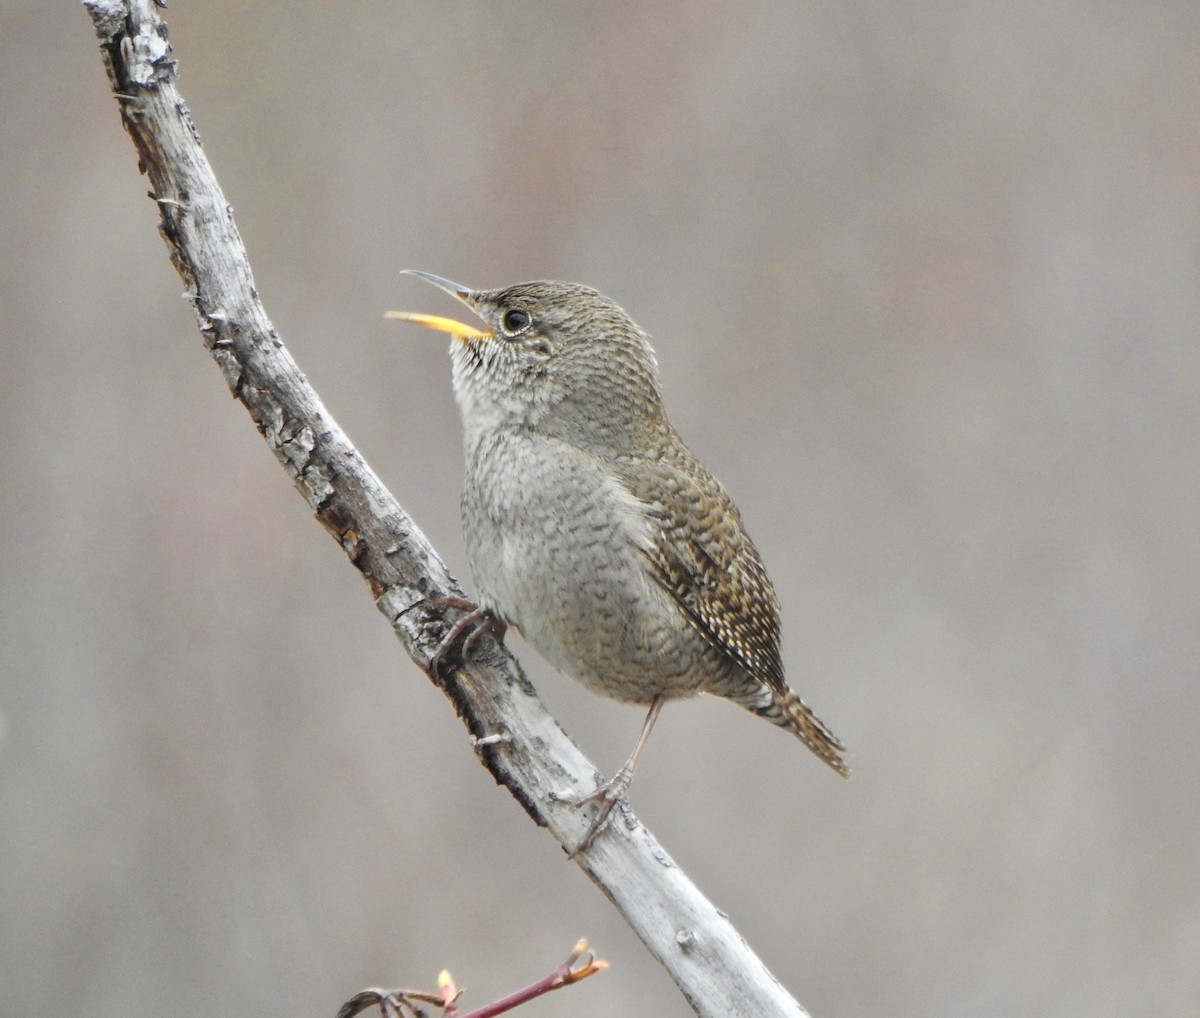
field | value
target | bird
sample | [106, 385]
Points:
[592, 528]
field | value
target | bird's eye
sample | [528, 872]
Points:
[516, 320]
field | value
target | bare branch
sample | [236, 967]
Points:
[515, 737]
[580, 964]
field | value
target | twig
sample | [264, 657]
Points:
[516, 739]
[394, 1003]
[579, 965]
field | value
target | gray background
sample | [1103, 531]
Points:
[924, 285]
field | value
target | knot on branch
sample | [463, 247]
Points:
[140, 36]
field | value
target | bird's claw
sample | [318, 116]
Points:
[465, 631]
[607, 795]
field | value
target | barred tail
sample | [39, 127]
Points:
[790, 712]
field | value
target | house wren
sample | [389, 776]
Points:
[591, 527]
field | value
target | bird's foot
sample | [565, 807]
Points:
[607, 795]
[464, 632]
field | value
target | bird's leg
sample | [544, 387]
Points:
[613, 789]
[476, 620]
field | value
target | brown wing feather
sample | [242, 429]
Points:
[703, 557]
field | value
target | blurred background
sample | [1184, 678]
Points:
[924, 285]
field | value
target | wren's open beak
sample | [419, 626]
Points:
[462, 293]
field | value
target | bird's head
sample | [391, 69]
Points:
[559, 358]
